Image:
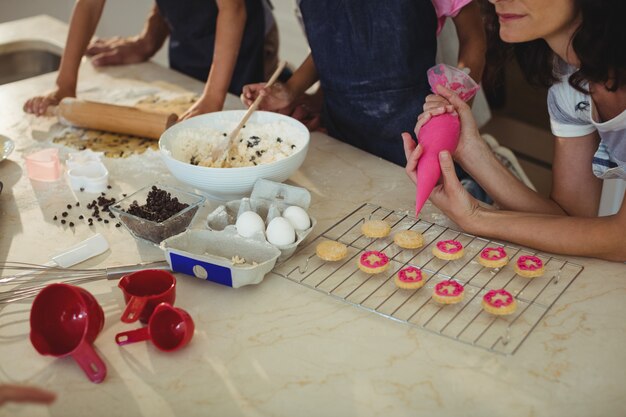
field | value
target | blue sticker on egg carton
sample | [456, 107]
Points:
[216, 256]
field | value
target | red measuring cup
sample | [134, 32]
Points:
[169, 329]
[64, 321]
[144, 290]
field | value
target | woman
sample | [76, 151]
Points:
[576, 47]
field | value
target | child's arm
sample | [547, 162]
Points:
[281, 96]
[85, 17]
[134, 49]
[472, 40]
[231, 21]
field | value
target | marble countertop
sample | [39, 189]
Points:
[278, 348]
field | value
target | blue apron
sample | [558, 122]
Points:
[192, 26]
[371, 57]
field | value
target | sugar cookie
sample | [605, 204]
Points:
[410, 278]
[375, 228]
[493, 257]
[373, 262]
[499, 302]
[408, 239]
[529, 266]
[448, 250]
[329, 250]
[448, 292]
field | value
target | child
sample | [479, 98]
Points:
[217, 41]
[371, 59]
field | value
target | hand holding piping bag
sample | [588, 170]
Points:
[439, 130]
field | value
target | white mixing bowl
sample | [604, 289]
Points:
[231, 183]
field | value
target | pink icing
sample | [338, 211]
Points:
[493, 254]
[529, 263]
[498, 298]
[449, 246]
[374, 259]
[449, 288]
[410, 274]
[453, 78]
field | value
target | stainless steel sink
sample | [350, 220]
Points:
[21, 64]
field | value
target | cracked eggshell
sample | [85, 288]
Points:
[280, 232]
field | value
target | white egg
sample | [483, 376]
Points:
[280, 232]
[298, 218]
[249, 223]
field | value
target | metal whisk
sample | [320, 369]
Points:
[26, 279]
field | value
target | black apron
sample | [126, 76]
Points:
[372, 57]
[192, 26]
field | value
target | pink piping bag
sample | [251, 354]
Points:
[440, 132]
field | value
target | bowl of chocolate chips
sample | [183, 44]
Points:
[157, 212]
[270, 146]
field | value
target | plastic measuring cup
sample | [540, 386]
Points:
[144, 290]
[65, 321]
[169, 329]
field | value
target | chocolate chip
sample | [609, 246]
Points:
[54, 218]
[64, 214]
[118, 224]
[62, 221]
[81, 217]
[109, 187]
[69, 206]
[123, 195]
[82, 189]
[71, 224]
[106, 221]
[78, 204]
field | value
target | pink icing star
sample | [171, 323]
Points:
[410, 274]
[374, 259]
[448, 288]
[493, 254]
[498, 298]
[529, 263]
[449, 246]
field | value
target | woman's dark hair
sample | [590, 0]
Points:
[599, 44]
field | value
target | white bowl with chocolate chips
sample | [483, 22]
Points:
[271, 146]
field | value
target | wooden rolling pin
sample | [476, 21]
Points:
[112, 118]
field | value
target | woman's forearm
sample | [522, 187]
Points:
[599, 237]
[506, 190]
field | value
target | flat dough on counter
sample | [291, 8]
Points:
[116, 145]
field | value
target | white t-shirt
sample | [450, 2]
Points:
[571, 116]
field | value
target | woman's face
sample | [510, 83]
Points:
[527, 20]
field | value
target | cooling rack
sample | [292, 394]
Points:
[464, 322]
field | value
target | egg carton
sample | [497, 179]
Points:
[268, 199]
[216, 256]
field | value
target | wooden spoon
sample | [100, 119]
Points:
[220, 152]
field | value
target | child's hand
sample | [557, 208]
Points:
[39, 105]
[118, 51]
[278, 97]
[25, 394]
[201, 106]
